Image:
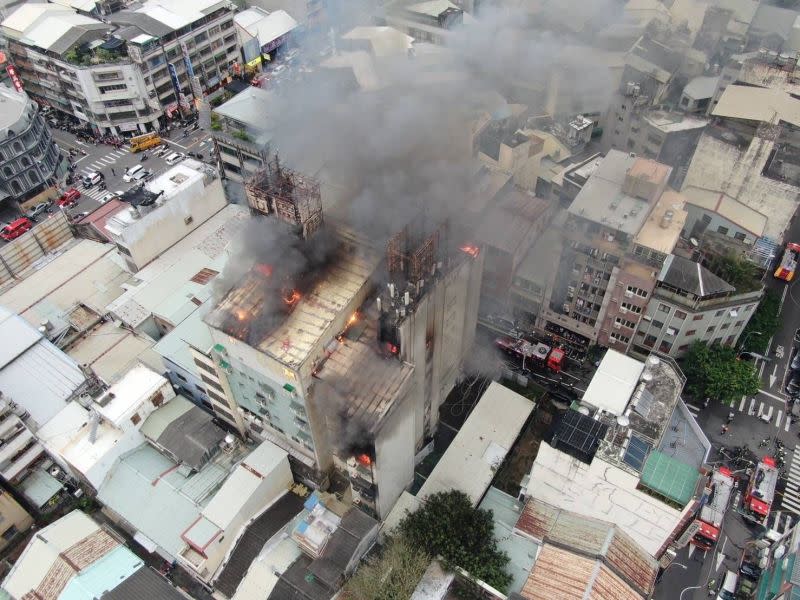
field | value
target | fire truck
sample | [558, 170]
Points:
[788, 264]
[761, 490]
[715, 503]
[533, 355]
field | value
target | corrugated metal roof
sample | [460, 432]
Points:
[144, 583]
[592, 538]
[766, 105]
[17, 335]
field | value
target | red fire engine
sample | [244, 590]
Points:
[533, 355]
[788, 264]
[761, 490]
[715, 503]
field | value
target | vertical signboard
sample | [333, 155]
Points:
[12, 73]
[176, 84]
[194, 81]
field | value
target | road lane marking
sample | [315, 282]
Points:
[778, 420]
[752, 406]
[760, 409]
[741, 404]
[773, 396]
[788, 422]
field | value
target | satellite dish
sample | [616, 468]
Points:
[653, 360]
[694, 242]
[646, 376]
[623, 421]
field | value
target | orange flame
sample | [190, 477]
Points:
[292, 298]
[264, 269]
[364, 459]
[473, 251]
[353, 318]
[241, 314]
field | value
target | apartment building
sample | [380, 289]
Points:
[309, 13]
[620, 228]
[115, 74]
[425, 21]
[689, 303]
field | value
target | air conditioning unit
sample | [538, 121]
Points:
[623, 310]
[617, 325]
[628, 294]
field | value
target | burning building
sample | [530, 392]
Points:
[343, 363]
[290, 196]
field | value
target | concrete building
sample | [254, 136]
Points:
[347, 379]
[690, 303]
[427, 21]
[696, 96]
[114, 74]
[77, 558]
[241, 128]
[15, 520]
[86, 439]
[633, 459]
[309, 13]
[193, 515]
[620, 228]
[262, 33]
[164, 211]
[30, 161]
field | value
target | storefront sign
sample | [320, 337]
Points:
[187, 62]
[176, 85]
[12, 73]
[270, 46]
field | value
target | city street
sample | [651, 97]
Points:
[104, 158]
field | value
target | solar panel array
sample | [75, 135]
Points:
[579, 433]
[644, 402]
[636, 453]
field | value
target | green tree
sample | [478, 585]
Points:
[392, 574]
[766, 320]
[447, 525]
[737, 271]
[715, 372]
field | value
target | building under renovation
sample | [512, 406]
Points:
[345, 364]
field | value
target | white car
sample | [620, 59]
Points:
[174, 158]
[109, 196]
[92, 178]
[130, 173]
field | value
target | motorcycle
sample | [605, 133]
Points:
[144, 156]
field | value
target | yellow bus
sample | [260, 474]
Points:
[143, 142]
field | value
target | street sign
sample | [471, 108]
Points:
[12, 73]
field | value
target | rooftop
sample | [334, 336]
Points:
[673, 122]
[481, 445]
[728, 208]
[176, 14]
[54, 28]
[602, 199]
[363, 384]
[312, 317]
[73, 552]
[508, 225]
[184, 430]
[670, 477]
[664, 223]
[33, 372]
[766, 105]
[591, 538]
[688, 276]
[252, 107]
[613, 383]
[601, 491]
[701, 88]
[383, 41]
[263, 25]
[12, 106]
[144, 583]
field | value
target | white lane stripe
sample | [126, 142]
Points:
[788, 422]
[792, 505]
[760, 409]
[107, 161]
[790, 500]
[752, 405]
[741, 404]
[778, 420]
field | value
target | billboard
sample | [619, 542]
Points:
[12, 73]
[176, 85]
[187, 62]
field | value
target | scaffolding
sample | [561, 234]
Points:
[290, 196]
[412, 252]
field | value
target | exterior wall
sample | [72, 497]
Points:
[631, 281]
[29, 158]
[187, 383]
[394, 457]
[709, 321]
[238, 159]
[146, 238]
[13, 519]
[700, 220]
[304, 11]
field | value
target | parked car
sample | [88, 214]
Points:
[795, 364]
[40, 209]
[174, 158]
[109, 196]
[91, 179]
[130, 173]
[16, 228]
[750, 570]
[69, 198]
[142, 176]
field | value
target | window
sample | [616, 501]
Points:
[212, 383]
[632, 307]
[657, 324]
[622, 339]
[683, 348]
[679, 314]
[664, 308]
[135, 419]
[181, 377]
[158, 398]
[107, 89]
[697, 318]
[719, 313]
[649, 341]
[706, 219]
[729, 340]
[9, 533]
[725, 325]
[722, 230]
[654, 139]
[625, 323]
[749, 307]
[637, 291]
[25, 161]
[665, 346]
[691, 332]
[630, 144]
[710, 330]
[739, 236]
[739, 323]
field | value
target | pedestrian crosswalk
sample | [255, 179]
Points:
[791, 494]
[103, 162]
[756, 408]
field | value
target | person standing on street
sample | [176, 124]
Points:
[113, 172]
